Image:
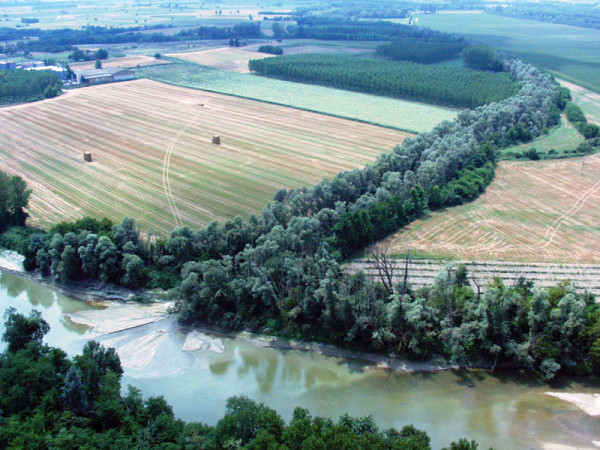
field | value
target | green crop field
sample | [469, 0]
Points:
[403, 115]
[563, 138]
[572, 53]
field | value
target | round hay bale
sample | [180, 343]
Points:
[216, 139]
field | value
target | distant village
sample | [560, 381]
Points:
[79, 76]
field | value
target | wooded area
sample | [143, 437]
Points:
[282, 270]
[27, 85]
[449, 86]
[49, 400]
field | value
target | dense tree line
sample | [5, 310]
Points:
[281, 271]
[450, 86]
[420, 51]
[14, 197]
[80, 55]
[579, 15]
[51, 401]
[28, 85]
[56, 41]
[482, 57]
[342, 29]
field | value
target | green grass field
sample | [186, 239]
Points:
[571, 53]
[403, 115]
[562, 139]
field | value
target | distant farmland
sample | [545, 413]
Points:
[570, 52]
[125, 62]
[153, 156]
[226, 58]
[542, 211]
[404, 115]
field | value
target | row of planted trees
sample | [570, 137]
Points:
[450, 86]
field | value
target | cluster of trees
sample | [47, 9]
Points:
[576, 116]
[51, 401]
[576, 14]
[342, 29]
[271, 49]
[80, 55]
[28, 85]
[482, 57]
[281, 271]
[450, 86]
[90, 249]
[14, 197]
[420, 51]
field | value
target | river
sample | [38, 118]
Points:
[500, 410]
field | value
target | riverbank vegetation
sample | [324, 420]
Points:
[449, 86]
[281, 271]
[49, 400]
[14, 197]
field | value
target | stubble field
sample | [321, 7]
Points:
[153, 156]
[542, 211]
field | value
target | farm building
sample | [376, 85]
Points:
[108, 75]
[58, 70]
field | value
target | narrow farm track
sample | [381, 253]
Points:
[583, 277]
[153, 158]
[542, 211]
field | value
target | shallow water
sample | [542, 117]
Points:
[502, 410]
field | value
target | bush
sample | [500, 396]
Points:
[590, 131]
[574, 113]
[271, 49]
[532, 154]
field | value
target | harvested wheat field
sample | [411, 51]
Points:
[542, 211]
[124, 62]
[226, 58]
[153, 159]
